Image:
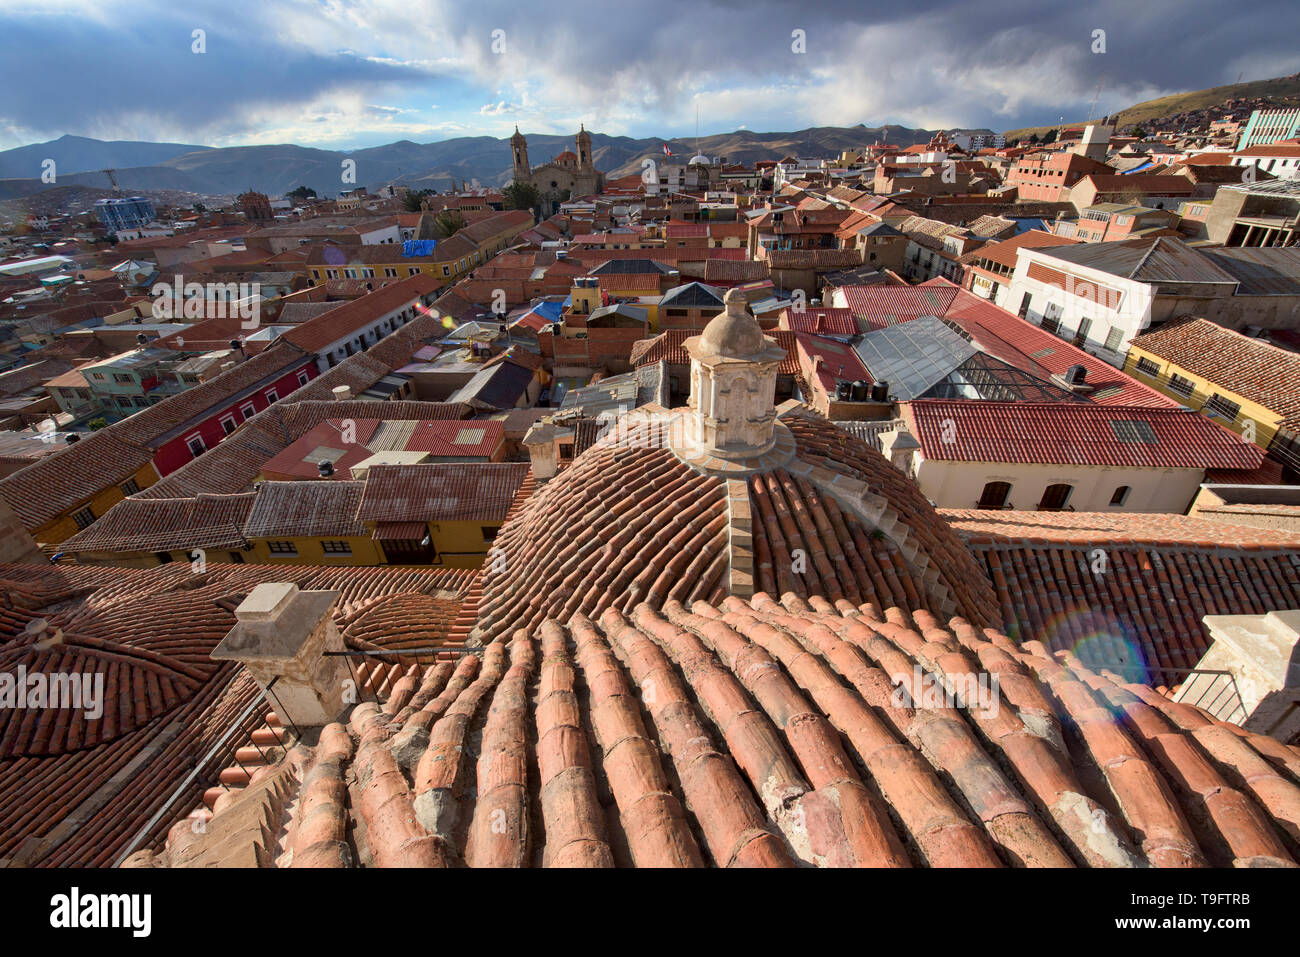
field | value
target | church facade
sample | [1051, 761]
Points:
[568, 176]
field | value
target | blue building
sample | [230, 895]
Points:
[129, 213]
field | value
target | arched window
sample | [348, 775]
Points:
[1055, 498]
[1121, 495]
[994, 495]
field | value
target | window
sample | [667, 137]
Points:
[248, 411]
[303, 378]
[331, 274]
[1218, 405]
[1114, 338]
[1147, 367]
[120, 377]
[390, 272]
[97, 376]
[83, 517]
[282, 548]
[1054, 498]
[336, 548]
[1180, 385]
[412, 270]
[994, 495]
[1051, 324]
[129, 487]
[446, 270]
[196, 446]
[1121, 495]
[489, 533]
[272, 395]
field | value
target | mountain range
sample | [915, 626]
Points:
[274, 170]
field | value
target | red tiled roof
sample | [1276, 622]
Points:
[1035, 350]
[1075, 433]
[823, 320]
[880, 306]
[441, 492]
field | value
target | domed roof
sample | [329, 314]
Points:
[733, 333]
[568, 156]
[630, 521]
[699, 159]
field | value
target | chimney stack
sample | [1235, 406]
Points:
[281, 636]
[341, 393]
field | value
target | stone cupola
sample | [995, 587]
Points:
[733, 384]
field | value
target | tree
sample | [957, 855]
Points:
[301, 193]
[413, 201]
[1138, 132]
[521, 196]
[1033, 139]
[447, 223]
[1049, 137]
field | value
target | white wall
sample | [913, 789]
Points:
[960, 485]
[386, 234]
[1088, 297]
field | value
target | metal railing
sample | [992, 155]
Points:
[238, 727]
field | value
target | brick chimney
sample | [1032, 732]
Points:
[281, 635]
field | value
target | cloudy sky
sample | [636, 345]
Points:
[350, 73]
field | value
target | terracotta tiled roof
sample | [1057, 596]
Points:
[1004, 252]
[881, 306]
[1252, 369]
[667, 347]
[823, 320]
[149, 525]
[441, 492]
[766, 733]
[305, 509]
[1128, 592]
[814, 258]
[78, 789]
[1076, 433]
[319, 333]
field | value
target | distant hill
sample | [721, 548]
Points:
[76, 154]
[277, 169]
[1283, 91]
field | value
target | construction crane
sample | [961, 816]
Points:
[112, 179]
[1092, 110]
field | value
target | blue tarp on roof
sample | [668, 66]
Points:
[550, 311]
[1138, 169]
[418, 247]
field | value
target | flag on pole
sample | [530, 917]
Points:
[667, 151]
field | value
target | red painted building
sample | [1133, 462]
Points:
[187, 425]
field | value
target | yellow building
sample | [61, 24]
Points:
[1243, 383]
[84, 511]
[450, 259]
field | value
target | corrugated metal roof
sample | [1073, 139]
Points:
[1261, 270]
[1164, 259]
